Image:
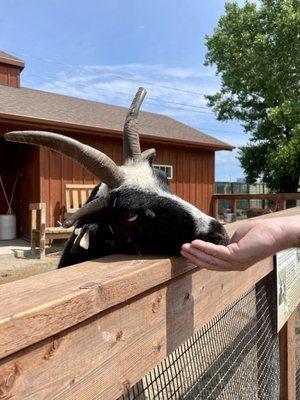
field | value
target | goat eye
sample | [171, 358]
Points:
[133, 218]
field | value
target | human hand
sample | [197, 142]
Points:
[253, 241]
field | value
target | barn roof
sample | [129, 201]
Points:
[23, 104]
[6, 58]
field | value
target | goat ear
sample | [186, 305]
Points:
[149, 155]
[81, 240]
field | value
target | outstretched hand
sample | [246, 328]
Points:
[253, 241]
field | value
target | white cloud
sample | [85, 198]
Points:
[172, 88]
[173, 91]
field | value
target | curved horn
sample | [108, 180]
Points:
[92, 159]
[101, 201]
[88, 208]
[131, 141]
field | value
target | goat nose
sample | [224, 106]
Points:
[217, 233]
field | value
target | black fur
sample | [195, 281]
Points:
[161, 227]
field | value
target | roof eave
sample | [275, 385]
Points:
[10, 61]
[22, 119]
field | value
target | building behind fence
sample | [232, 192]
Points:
[240, 187]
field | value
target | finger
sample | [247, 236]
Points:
[201, 264]
[218, 251]
[204, 258]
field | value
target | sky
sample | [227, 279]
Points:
[103, 50]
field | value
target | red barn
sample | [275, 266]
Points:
[187, 155]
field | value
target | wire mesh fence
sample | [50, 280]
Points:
[234, 357]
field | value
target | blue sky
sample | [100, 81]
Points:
[104, 49]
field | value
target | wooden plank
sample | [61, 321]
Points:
[287, 354]
[45, 180]
[79, 186]
[55, 188]
[68, 201]
[263, 196]
[193, 178]
[199, 183]
[42, 236]
[179, 174]
[49, 303]
[205, 183]
[232, 227]
[186, 176]
[75, 199]
[80, 362]
[66, 178]
[215, 208]
[233, 206]
[36, 206]
[211, 181]
[83, 196]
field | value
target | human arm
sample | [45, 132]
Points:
[253, 241]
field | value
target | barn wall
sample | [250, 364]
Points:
[45, 173]
[23, 160]
[193, 173]
[9, 75]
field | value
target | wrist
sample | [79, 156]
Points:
[290, 231]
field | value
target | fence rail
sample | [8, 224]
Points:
[93, 330]
[279, 198]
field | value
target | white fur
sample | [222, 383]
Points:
[102, 190]
[140, 176]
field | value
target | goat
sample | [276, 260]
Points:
[133, 210]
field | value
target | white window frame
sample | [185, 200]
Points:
[163, 168]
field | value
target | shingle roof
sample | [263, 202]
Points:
[24, 102]
[6, 58]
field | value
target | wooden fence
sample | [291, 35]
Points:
[280, 199]
[93, 330]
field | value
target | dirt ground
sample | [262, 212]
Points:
[16, 266]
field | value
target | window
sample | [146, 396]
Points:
[167, 169]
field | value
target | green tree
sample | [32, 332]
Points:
[256, 51]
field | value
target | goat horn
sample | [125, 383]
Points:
[89, 208]
[92, 159]
[131, 140]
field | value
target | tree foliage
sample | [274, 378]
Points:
[256, 50]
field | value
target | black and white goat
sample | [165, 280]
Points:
[133, 211]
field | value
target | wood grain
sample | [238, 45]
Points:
[101, 357]
[287, 347]
[49, 303]
[79, 332]
[262, 196]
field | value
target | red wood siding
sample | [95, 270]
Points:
[193, 173]
[9, 75]
[45, 173]
[25, 160]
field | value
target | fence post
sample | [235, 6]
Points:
[233, 206]
[281, 204]
[215, 206]
[287, 354]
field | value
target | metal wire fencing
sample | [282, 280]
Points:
[234, 357]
